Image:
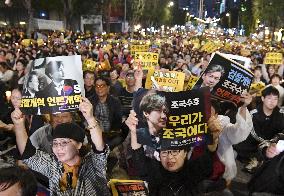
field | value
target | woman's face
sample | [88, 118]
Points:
[20, 66]
[16, 97]
[65, 149]
[173, 160]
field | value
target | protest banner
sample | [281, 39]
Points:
[48, 24]
[209, 47]
[273, 58]
[244, 61]
[128, 187]
[53, 85]
[170, 81]
[192, 80]
[26, 42]
[226, 79]
[147, 60]
[89, 65]
[182, 116]
[256, 88]
[138, 48]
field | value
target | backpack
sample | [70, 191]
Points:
[269, 177]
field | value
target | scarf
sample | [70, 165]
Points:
[69, 177]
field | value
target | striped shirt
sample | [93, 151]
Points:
[92, 172]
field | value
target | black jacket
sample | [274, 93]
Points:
[164, 183]
[115, 112]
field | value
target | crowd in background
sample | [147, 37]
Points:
[248, 133]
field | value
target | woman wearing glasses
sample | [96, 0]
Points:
[68, 171]
[173, 174]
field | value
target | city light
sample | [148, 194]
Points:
[22, 23]
[228, 14]
[171, 4]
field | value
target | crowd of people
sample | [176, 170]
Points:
[77, 153]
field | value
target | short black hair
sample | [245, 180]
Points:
[50, 67]
[275, 76]
[88, 72]
[106, 80]
[270, 90]
[10, 176]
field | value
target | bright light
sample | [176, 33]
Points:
[171, 4]
[187, 14]
[137, 27]
[3, 23]
[42, 14]
[22, 23]
[228, 14]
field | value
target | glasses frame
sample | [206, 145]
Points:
[166, 153]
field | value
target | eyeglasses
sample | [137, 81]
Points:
[62, 144]
[130, 76]
[167, 152]
[101, 86]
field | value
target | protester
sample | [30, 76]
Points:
[267, 122]
[17, 181]
[68, 172]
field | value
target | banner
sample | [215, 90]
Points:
[256, 88]
[273, 58]
[146, 59]
[53, 85]
[170, 81]
[89, 65]
[138, 48]
[26, 42]
[128, 187]
[175, 119]
[226, 79]
[209, 47]
[48, 24]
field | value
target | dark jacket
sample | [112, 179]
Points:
[165, 183]
[115, 112]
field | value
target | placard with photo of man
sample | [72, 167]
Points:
[226, 79]
[53, 85]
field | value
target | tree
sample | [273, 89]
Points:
[269, 12]
[135, 12]
[28, 5]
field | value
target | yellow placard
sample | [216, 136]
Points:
[40, 42]
[26, 42]
[209, 47]
[256, 87]
[192, 80]
[146, 59]
[171, 81]
[273, 58]
[89, 65]
[138, 48]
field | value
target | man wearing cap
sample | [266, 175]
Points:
[69, 172]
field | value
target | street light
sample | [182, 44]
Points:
[171, 4]
[228, 14]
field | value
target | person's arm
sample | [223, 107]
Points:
[239, 131]
[19, 129]
[281, 70]
[95, 129]
[264, 73]
[132, 122]
[6, 127]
